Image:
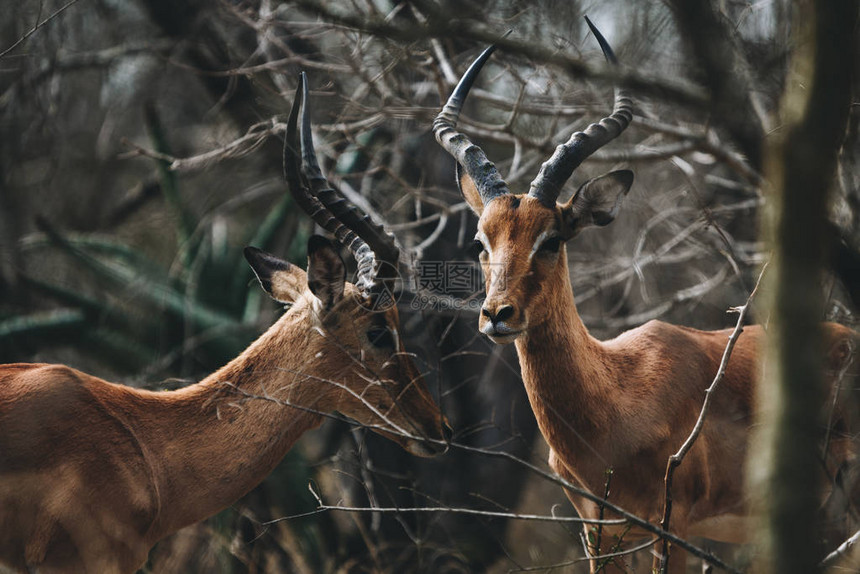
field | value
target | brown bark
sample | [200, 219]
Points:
[800, 165]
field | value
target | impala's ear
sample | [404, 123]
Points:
[326, 271]
[597, 202]
[282, 280]
[469, 191]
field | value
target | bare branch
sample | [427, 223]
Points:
[676, 459]
[36, 27]
[446, 27]
[632, 518]
[456, 510]
[252, 140]
[598, 557]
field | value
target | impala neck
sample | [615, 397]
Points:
[219, 441]
[564, 370]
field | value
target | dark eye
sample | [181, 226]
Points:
[551, 245]
[381, 337]
[476, 248]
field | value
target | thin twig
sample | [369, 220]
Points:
[392, 428]
[602, 509]
[631, 518]
[444, 27]
[453, 510]
[676, 459]
[608, 556]
[38, 25]
[253, 139]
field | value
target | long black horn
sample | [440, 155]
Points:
[369, 243]
[487, 179]
[568, 156]
[296, 182]
[376, 267]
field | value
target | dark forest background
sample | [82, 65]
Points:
[140, 151]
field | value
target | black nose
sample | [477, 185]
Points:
[502, 313]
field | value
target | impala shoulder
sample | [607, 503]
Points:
[31, 373]
[12, 370]
[656, 335]
[40, 411]
[48, 388]
[111, 410]
[670, 334]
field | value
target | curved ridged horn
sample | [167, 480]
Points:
[488, 181]
[557, 169]
[379, 263]
[296, 182]
[368, 242]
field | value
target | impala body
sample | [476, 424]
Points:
[93, 474]
[626, 404]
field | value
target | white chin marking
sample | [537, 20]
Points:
[504, 339]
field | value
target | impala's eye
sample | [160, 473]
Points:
[551, 245]
[476, 248]
[381, 337]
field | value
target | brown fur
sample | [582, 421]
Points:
[627, 404]
[93, 474]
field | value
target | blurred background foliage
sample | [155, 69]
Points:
[141, 150]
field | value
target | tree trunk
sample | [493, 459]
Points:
[800, 164]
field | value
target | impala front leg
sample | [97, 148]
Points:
[598, 539]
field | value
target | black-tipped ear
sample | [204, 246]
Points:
[282, 280]
[326, 271]
[265, 265]
[596, 202]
